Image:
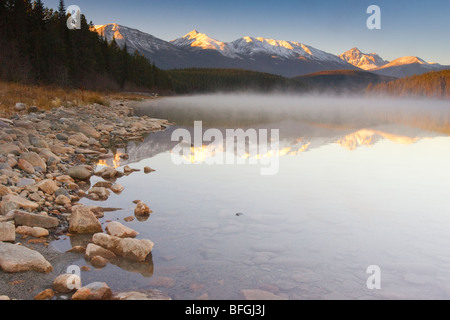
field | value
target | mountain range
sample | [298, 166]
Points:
[285, 58]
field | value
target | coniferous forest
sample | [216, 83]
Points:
[36, 47]
[434, 84]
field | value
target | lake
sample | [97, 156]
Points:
[359, 183]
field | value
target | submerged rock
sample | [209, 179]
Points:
[132, 249]
[142, 209]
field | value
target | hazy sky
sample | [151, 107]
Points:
[409, 27]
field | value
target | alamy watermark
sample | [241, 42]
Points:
[374, 280]
[74, 19]
[374, 21]
[236, 147]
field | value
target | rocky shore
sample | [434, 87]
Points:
[46, 161]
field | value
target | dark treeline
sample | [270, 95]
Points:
[435, 84]
[226, 80]
[36, 47]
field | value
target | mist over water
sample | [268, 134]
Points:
[246, 109]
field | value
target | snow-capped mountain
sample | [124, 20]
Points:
[250, 46]
[163, 53]
[365, 61]
[408, 66]
[198, 50]
[285, 58]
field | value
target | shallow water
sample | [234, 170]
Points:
[353, 189]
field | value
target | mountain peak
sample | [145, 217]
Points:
[365, 61]
[192, 34]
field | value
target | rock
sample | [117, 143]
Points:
[62, 192]
[23, 182]
[9, 148]
[43, 125]
[85, 128]
[67, 283]
[148, 170]
[36, 232]
[117, 188]
[62, 137]
[4, 298]
[47, 294]
[132, 249]
[93, 291]
[14, 258]
[48, 186]
[148, 295]
[79, 172]
[20, 202]
[61, 150]
[258, 294]
[4, 190]
[102, 193]
[47, 154]
[129, 218]
[38, 142]
[20, 106]
[83, 220]
[7, 232]
[64, 179]
[142, 209]
[162, 281]
[99, 262]
[77, 249]
[26, 166]
[93, 250]
[127, 170]
[80, 137]
[34, 159]
[62, 200]
[22, 218]
[107, 172]
[119, 230]
[102, 184]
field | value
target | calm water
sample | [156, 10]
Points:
[359, 183]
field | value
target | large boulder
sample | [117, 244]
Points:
[22, 218]
[132, 249]
[15, 258]
[83, 220]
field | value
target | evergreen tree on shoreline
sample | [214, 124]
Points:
[36, 47]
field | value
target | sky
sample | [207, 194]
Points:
[408, 27]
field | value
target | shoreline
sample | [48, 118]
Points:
[47, 159]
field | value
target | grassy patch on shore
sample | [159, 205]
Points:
[48, 97]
